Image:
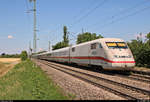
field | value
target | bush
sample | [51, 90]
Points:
[24, 55]
[143, 58]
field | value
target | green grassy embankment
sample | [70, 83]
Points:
[27, 82]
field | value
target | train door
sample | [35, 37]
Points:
[93, 53]
[72, 54]
[101, 55]
[101, 51]
[69, 61]
[97, 54]
[83, 54]
[89, 53]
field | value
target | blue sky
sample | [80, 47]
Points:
[123, 19]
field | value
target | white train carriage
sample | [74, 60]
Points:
[108, 53]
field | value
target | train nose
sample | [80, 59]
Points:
[126, 63]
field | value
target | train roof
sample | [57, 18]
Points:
[61, 49]
[93, 41]
[41, 53]
[100, 40]
[89, 42]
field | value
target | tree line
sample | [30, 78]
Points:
[23, 55]
[141, 50]
[3, 55]
[83, 37]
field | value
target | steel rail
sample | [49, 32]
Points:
[110, 81]
[141, 72]
[106, 80]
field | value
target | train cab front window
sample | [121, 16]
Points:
[113, 45]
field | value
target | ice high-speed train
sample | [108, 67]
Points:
[106, 53]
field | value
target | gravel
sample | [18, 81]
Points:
[134, 83]
[77, 87]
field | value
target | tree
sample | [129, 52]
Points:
[87, 37]
[148, 38]
[141, 51]
[143, 58]
[66, 40]
[3, 54]
[24, 55]
[59, 45]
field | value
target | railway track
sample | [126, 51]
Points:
[123, 90]
[137, 77]
[133, 76]
[142, 76]
[141, 72]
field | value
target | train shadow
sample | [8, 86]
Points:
[95, 69]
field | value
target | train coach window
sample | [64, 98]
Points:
[93, 46]
[73, 49]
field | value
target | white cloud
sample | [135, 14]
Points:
[10, 36]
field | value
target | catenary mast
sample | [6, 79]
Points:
[34, 28]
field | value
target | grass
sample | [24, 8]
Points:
[28, 82]
[6, 63]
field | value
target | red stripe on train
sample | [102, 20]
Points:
[96, 58]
